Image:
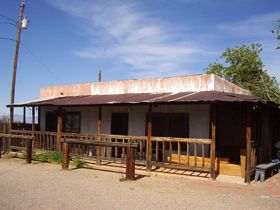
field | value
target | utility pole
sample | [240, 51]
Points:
[12, 99]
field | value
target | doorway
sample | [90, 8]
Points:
[119, 123]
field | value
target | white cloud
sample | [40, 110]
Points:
[258, 29]
[122, 32]
[254, 27]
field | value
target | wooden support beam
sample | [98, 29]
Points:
[130, 163]
[248, 144]
[98, 149]
[33, 125]
[24, 115]
[149, 140]
[65, 157]
[28, 147]
[59, 129]
[39, 118]
[1, 142]
[213, 141]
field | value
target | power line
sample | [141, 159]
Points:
[36, 58]
[7, 18]
[6, 22]
[42, 63]
[6, 38]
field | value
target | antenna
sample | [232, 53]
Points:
[99, 75]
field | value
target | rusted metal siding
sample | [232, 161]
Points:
[136, 98]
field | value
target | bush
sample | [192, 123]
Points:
[51, 157]
[79, 163]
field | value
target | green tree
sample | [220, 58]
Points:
[244, 67]
[276, 31]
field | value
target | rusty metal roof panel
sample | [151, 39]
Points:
[136, 98]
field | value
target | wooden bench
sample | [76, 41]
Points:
[263, 168]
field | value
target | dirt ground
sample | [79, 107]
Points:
[46, 186]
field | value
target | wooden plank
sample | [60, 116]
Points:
[248, 144]
[156, 151]
[149, 139]
[195, 155]
[179, 153]
[6, 135]
[183, 140]
[65, 157]
[188, 153]
[180, 167]
[213, 141]
[59, 129]
[1, 142]
[28, 145]
[33, 125]
[98, 149]
[130, 163]
[203, 154]
[97, 143]
[170, 152]
[163, 151]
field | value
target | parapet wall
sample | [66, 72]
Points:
[195, 83]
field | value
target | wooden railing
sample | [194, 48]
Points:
[177, 153]
[181, 153]
[44, 140]
[118, 153]
[79, 149]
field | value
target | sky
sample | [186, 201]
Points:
[67, 41]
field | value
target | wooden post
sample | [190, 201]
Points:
[130, 163]
[65, 158]
[24, 116]
[5, 142]
[1, 142]
[213, 141]
[149, 140]
[39, 118]
[98, 149]
[59, 129]
[248, 144]
[33, 125]
[28, 146]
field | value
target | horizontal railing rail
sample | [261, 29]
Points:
[181, 153]
[172, 152]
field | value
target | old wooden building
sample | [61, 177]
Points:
[198, 123]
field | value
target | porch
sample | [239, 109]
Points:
[206, 131]
[205, 155]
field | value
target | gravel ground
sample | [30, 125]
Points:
[46, 186]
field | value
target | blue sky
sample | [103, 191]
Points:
[69, 40]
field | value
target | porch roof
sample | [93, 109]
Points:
[138, 98]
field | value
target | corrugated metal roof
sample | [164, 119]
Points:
[136, 98]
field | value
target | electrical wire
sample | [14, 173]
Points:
[42, 63]
[36, 58]
[6, 22]
[7, 18]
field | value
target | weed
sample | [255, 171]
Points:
[79, 163]
[51, 157]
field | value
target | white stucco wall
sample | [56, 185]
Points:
[199, 118]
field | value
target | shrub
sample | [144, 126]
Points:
[51, 157]
[79, 163]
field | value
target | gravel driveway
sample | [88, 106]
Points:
[46, 186]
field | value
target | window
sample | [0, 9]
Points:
[72, 122]
[170, 124]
